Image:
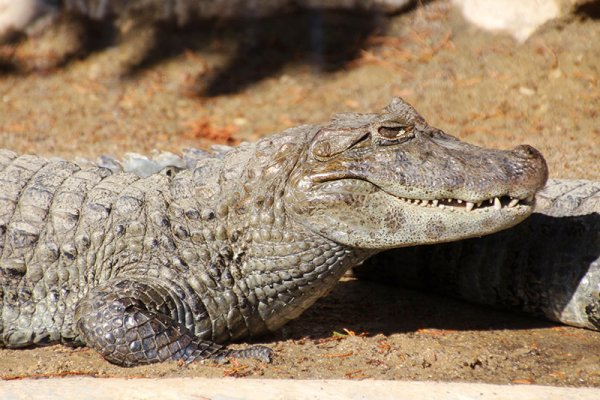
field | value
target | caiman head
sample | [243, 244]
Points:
[388, 180]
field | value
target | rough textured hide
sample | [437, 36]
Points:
[235, 242]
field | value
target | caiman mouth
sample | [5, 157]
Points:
[363, 186]
[360, 213]
[496, 203]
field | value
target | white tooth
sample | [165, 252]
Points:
[491, 201]
[470, 206]
[441, 206]
[424, 202]
[459, 201]
[435, 203]
[479, 204]
[513, 202]
[497, 204]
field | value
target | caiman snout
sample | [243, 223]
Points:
[531, 170]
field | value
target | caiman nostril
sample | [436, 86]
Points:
[526, 151]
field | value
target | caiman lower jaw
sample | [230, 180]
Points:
[496, 203]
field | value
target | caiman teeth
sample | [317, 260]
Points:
[497, 203]
[469, 206]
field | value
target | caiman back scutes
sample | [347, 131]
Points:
[29, 185]
[53, 221]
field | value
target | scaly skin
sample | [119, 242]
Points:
[172, 265]
[549, 265]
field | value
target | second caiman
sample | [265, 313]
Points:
[549, 265]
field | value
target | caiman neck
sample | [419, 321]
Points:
[287, 268]
[278, 267]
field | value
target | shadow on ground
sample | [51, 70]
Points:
[373, 308]
[256, 48]
[590, 9]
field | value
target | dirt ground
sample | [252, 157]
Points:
[80, 91]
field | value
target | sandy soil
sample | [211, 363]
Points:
[84, 91]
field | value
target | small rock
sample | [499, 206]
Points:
[15, 16]
[524, 90]
[555, 73]
[239, 121]
[520, 18]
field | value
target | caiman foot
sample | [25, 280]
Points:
[130, 324]
[200, 350]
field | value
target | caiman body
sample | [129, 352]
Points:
[172, 265]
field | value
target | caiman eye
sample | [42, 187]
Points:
[394, 132]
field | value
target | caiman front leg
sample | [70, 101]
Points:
[132, 323]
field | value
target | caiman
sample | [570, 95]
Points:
[178, 263]
[548, 265]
